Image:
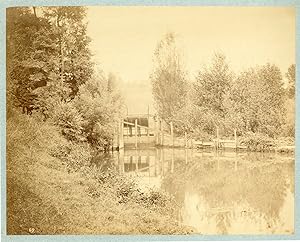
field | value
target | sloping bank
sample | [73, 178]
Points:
[54, 191]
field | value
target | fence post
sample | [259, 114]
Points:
[121, 136]
[185, 140]
[135, 132]
[148, 124]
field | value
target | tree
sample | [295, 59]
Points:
[289, 128]
[291, 76]
[257, 96]
[169, 82]
[26, 69]
[48, 55]
[212, 84]
[93, 114]
[210, 90]
[100, 104]
[72, 42]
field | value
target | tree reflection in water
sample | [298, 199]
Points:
[243, 198]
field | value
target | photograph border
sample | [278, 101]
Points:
[85, 238]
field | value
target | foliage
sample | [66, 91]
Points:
[212, 84]
[49, 153]
[291, 76]
[92, 115]
[127, 191]
[44, 197]
[48, 56]
[70, 28]
[49, 70]
[258, 100]
[251, 101]
[288, 128]
[258, 142]
[67, 117]
[100, 104]
[29, 44]
[209, 95]
[169, 81]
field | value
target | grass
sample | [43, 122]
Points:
[54, 191]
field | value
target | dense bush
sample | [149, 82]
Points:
[44, 198]
[258, 142]
[253, 100]
[70, 121]
[101, 108]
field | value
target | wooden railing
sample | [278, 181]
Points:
[158, 136]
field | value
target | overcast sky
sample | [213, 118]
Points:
[124, 38]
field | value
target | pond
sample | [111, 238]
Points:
[219, 192]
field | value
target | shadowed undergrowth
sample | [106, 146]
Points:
[48, 192]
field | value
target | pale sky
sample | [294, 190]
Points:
[124, 38]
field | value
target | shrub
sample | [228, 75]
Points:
[258, 142]
[71, 122]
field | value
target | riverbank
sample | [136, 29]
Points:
[46, 196]
[252, 142]
[53, 188]
[259, 142]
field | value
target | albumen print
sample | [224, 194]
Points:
[147, 120]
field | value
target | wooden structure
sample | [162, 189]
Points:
[146, 130]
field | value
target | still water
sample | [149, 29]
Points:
[220, 192]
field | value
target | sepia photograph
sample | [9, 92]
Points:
[150, 120]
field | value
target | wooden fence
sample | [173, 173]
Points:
[136, 136]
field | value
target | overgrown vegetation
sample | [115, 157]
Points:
[50, 74]
[252, 101]
[258, 142]
[60, 112]
[68, 195]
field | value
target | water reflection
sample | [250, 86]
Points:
[220, 193]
